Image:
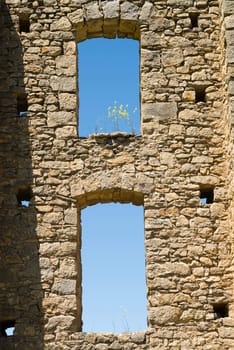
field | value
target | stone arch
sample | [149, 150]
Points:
[113, 182]
[110, 195]
[108, 19]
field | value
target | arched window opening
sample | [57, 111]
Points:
[113, 268]
[108, 78]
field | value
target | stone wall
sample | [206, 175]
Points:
[185, 147]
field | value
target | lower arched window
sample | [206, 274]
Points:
[113, 268]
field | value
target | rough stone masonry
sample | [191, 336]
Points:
[184, 152]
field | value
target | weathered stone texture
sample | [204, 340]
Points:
[185, 146]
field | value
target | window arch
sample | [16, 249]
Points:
[110, 23]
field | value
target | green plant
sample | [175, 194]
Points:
[119, 116]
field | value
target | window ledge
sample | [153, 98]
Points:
[112, 135]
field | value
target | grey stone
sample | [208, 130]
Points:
[161, 111]
[162, 315]
[64, 286]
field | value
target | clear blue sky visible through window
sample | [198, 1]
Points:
[113, 268]
[108, 76]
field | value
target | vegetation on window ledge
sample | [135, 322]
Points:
[118, 122]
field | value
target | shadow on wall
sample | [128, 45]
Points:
[21, 317]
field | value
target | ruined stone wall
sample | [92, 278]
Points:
[185, 147]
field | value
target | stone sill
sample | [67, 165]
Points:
[112, 134]
[118, 136]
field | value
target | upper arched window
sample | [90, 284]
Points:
[109, 88]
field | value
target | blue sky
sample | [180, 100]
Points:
[113, 261]
[108, 72]
[113, 256]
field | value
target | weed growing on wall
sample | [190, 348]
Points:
[118, 118]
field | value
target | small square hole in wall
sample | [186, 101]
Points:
[207, 195]
[22, 105]
[194, 19]
[24, 196]
[7, 328]
[24, 24]
[200, 94]
[220, 310]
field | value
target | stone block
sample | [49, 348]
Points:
[172, 57]
[61, 322]
[129, 11]
[176, 130]
[185, 3]
[229, 22]
[66, 65]
[111, 9]
[70, 216]
[205, 180]
[228, 7]
[120, 160]
[229, 36]
[161, 111]
[226, 332]
[146, 12]
[189, 95]
[162, 315]
[63, 84]
[53, 218]
[167, 158]
[189, 115]
[230, 54]
[62, 24]
[55, 119]
[76, 17]
[51, 51]
[67, 101]
[66, 132]
[92, 12]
